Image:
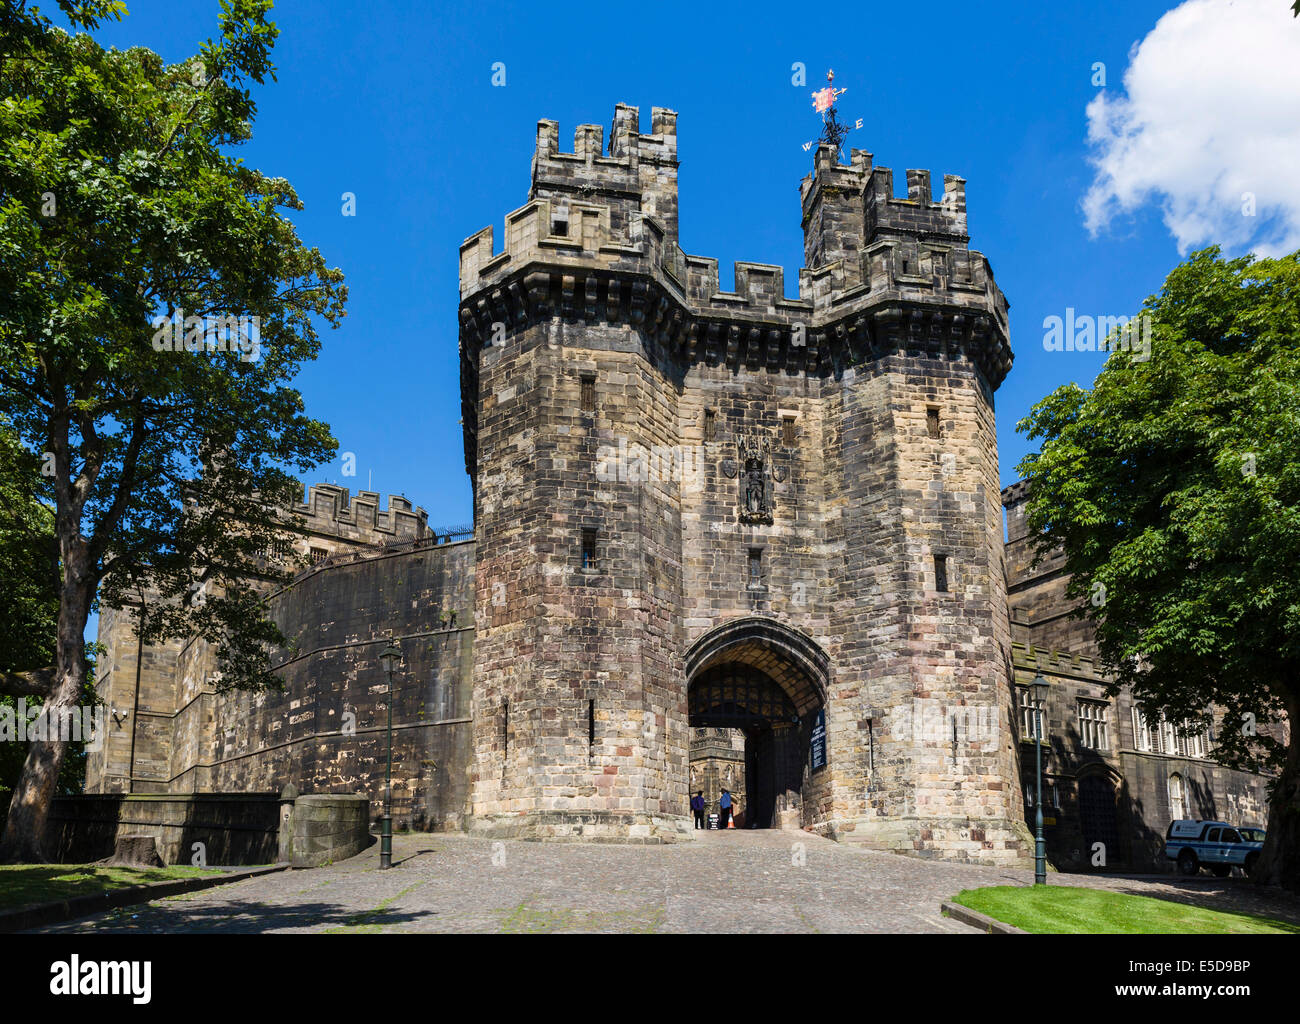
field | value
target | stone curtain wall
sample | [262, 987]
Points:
[340, 612]
[172, 720]
[1049, 639]
[233, 828]
[1140, 778]
[341, 616]
[1039, 610]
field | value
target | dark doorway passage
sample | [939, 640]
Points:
[744, 725]
[1097, 815]
[754, 688]
[760, 775]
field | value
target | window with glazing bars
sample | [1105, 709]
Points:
[1093, 730]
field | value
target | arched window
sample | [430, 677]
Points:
[1177, 806]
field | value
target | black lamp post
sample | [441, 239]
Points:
[389, 657]
[1040, 847]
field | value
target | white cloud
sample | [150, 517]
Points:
[1210, 111]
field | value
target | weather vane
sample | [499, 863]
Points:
[833, 132]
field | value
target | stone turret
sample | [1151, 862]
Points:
[637, 175]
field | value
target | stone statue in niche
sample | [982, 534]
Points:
[755, 480]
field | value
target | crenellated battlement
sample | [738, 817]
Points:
[849, 210]
[920, 213]
[1014, 494]
[598, 240]
[581, 236]
[1027, 658]
[330, 510]
[873, 186]
[627, 146]
[566, 232]
[638, 174]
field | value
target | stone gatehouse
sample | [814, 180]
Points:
[693, 510]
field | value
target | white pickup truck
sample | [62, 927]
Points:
[1216, 845]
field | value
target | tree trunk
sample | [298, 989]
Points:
[24, 833]
[134, 852]
[25, 826]
[1279, 861]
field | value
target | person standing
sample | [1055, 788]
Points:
[697, 805]
[725, 804]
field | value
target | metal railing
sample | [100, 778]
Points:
[448, 534]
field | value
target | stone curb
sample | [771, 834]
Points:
[977, 920]
[37, 915]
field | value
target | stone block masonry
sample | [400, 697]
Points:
[774, 517]
[225, 828]
[848, 456]
[325, 731]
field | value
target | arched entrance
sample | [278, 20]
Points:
[755, 687]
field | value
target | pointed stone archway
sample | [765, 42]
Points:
[767, 681]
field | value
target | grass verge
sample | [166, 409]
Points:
[1059, 909]
[21, 884]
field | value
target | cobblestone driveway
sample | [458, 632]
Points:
[730, 881]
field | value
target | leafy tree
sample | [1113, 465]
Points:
[1173, 487]
[29, 601]
[29, 560]
[121, 204]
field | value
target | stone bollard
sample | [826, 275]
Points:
[288, 796]
[329, 827]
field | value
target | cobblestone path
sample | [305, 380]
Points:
[733, 881]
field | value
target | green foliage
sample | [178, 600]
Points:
[1174, 488]
[29, 599]
[29, 559]
[120, 202]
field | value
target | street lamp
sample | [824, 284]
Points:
[389, 657]
[1040, 847]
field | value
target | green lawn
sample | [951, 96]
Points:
[1067, 909]
[21, 884]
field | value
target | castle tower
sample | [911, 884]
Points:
[707, 509]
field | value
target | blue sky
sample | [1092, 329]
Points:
[394, 103]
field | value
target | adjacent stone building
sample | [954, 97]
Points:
[696, 513]
[1114, 777]
[718, 762]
